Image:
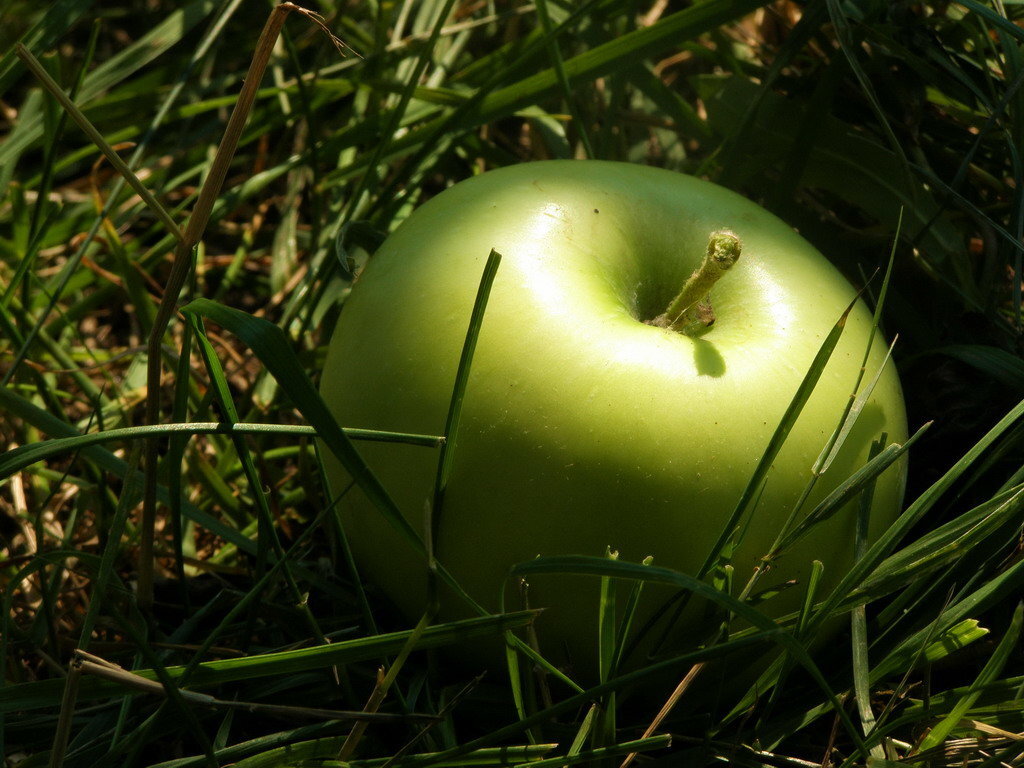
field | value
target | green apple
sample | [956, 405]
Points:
[587, 425]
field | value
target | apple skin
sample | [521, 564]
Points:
[583, 427]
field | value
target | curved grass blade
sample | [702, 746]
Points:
[24, 456]
[451, 426]
[270, 344]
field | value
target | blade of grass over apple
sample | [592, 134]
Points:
[849, 418]
[596, 566]
[273, 348]
[864, 478]
[777, 440]
[860, 397]
[451, 426]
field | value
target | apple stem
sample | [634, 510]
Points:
[690, 311]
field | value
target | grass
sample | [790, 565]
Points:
[250, 642]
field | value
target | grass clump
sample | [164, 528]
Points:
[224, 624]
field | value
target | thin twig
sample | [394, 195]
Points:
[62, 733]
[69, 106]
[94, 665]
[197, 222]
[666, 708]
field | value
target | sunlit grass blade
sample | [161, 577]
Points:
[854, 485]
[1000, 656]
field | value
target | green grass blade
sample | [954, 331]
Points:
[454, 416]
[854, 485]
[595, 566]
[1000, 656]
[270, 344]
[777, 440]
[56, 21]
[104, 459]
[28, 696]
[22, 457]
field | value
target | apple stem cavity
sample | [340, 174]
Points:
[690, 311]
